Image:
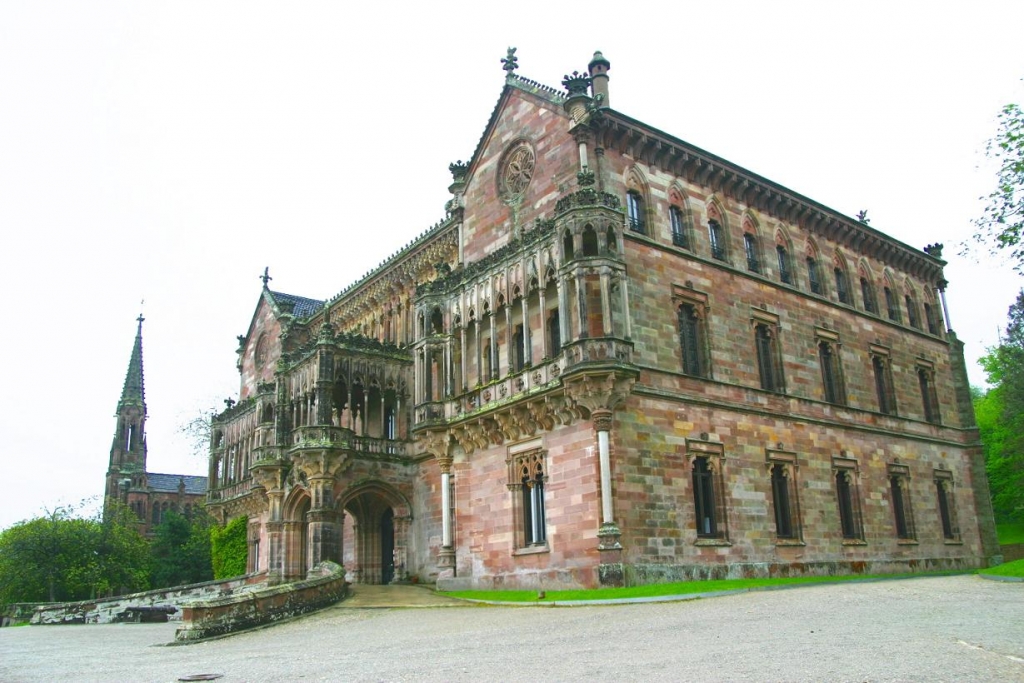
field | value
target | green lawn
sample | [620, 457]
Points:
[665, 589]
[1010, 532]
[1015, 568]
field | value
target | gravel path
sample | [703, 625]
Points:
[959, 628]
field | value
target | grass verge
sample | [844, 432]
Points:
[1010, 532]
[1015, 568]
[669, 589]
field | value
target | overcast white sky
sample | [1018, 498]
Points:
[170, 151]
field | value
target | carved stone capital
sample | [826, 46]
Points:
[597, 392]
[602, 419]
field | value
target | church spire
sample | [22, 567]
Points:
[134, 392]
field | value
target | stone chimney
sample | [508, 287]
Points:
[599, 67]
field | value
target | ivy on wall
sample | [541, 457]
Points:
[229, 548]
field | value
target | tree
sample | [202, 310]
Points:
[1001, 226]
[181, 551]
[1000, 415]
[63, 557]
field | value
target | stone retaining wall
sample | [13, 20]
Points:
[124, 607]
[1012, 552]
[208, 618]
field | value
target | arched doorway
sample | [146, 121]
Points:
[376, 533]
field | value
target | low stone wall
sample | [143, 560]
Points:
[1012, 552]
[136, 606]
[208, 618]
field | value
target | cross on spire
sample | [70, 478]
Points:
[266, 276]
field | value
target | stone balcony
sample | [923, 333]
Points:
[576, 355]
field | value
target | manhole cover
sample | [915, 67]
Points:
[201, 677]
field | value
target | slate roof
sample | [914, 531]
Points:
[168, 483]
[301, 307]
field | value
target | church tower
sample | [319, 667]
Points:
[127, 466]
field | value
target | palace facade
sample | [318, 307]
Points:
[618, 359]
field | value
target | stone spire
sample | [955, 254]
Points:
[128, 450]
[134, 392]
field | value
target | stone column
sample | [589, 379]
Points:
[494, 348]
[508, 336]
[275, 553]
[581, 306]
[563, 309]
[945, 307]
[527, 345]
[606, 309]
[437, 444]
[609, 547]
[462, 359]
[543, 324]
[624, 286]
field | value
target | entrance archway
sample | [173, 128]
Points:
[376, 530]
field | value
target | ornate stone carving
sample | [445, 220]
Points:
[599, 391]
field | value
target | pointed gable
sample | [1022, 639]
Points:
[525, 153]
[260, 348]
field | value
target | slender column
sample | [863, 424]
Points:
[581, 306]
[563, 308]
[527, 346]
[446, 504]
[446, 555]
[462, 358]
[508, 336]
[945, 307]
[606, 309]
[478, 352]
[609, 532]
[449, 368]
[543, 324]
[383, 417]
[418, 375]
[494, 348]
[606, 477]
[624, 287]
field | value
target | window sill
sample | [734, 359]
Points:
[952, 541]
[854, 541]
[906, 541]
[531, 550]
[789, 542]
[712, 542]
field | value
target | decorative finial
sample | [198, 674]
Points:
[934, 250]
[230, 403]
[510, 61]
[140, 318]
[266, 276]
[862, 216]
[459, 170]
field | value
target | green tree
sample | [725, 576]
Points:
[181, 551]
[1000, 415]
[64, 557]
[1001, 226]
[230, 548]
